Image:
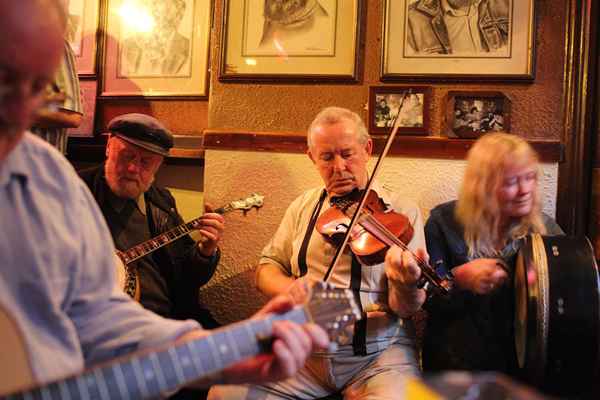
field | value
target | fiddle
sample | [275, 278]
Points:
[375, 231]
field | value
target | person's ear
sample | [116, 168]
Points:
[310, 155]
[108, 142]
[369, 147]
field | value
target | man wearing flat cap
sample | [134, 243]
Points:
[137, 210]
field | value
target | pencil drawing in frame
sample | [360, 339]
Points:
[458, 40]
[409, 103]
[156, 48]
[82, 24]
[291, 40]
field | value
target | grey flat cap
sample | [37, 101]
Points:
[142, 130]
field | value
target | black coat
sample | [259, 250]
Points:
[180, 265]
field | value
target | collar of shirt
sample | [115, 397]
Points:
[383, 193]
[14, 164]
[119, 203]
[447, 9]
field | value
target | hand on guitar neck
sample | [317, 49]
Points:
[272, 345]
[210, 226]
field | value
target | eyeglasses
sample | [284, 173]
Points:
[126, 157]
[12, 81]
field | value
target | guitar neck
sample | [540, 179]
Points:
[130, 255]
[156, 373]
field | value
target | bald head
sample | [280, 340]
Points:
[30, 52]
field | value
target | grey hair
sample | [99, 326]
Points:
[334, 115]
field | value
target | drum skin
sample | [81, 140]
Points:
[557, 313]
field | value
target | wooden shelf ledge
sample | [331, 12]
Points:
[406, 146]
[188, 150]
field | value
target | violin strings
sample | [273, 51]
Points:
[394, 239]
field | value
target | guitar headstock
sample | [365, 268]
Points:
[332, 308]
[254, 200]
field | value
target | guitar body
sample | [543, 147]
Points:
[15, 370]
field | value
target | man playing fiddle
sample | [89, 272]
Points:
[374, 360]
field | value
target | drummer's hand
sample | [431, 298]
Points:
[481, 276]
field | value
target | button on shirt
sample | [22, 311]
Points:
[57, 277]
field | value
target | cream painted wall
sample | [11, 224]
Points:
[281, 177]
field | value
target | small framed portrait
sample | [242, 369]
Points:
[88, 90]
[156, 48]
[82, 24]
[471, 114]
[409, 103]
[291, 40]
[458, 40]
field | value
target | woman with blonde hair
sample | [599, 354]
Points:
[476, 239]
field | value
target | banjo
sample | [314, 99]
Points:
[557, 313]
[126, 273]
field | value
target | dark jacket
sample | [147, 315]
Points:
[466, 330]
[427, 32]
[180, 265]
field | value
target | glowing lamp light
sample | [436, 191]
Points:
[135, 17]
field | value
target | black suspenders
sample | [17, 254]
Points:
[359, 340]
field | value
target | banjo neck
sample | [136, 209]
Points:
[138, 251]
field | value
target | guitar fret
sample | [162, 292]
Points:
[140, 377]
[242, 347]
[45, 393]
[159, 373]
[175, 362]
[121, 385]
[133, 385]
[83, 392]
[92, 385]
[224, 348]
[253, 337]
[203, 350]
[167, 370]
[73, 386]
[232, 344]
[64, 390]
[214, 352]
[101, 384]
[195, 359]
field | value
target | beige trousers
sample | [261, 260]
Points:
[377, 376]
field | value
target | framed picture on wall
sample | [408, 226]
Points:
[432, 40]
[82, 24]
[156, 49]
[409, 103]
[88, 101]
[290, 40]
[471, 114]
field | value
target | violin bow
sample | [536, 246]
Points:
[363, 198]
